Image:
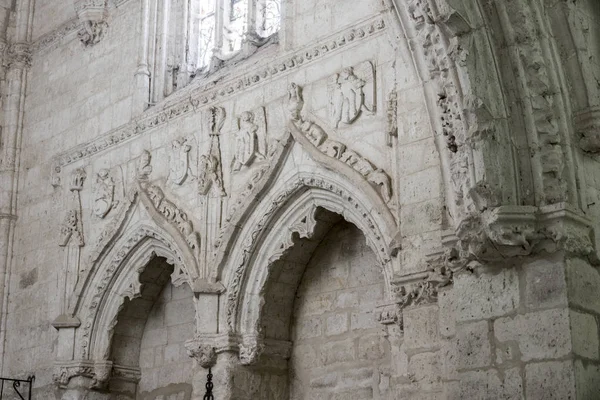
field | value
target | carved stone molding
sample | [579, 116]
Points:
[587, 126]
[126, 373]
[392, 117]
[390, 314]
[19, 56]
[204, 354]
[92, 14]
[334, 149]
[514, 231]
[204, 94]
[98, 372]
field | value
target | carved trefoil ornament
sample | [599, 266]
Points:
[180, 161]
[250, 139]
[210, 176]
[92, 14]
[104, 193]
[351, 93]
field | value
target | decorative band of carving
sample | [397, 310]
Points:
[200, 94]
[98, 372]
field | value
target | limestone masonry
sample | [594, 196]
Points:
[312, 199]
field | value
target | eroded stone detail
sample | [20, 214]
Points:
[352, 93]
[334, 149]
[104, 193]
[180, 161]
[210, 175]
[250, 139]
[204, 354]
[92, 14]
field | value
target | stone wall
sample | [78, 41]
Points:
[338, 350]
[164, 362]
[458, 139]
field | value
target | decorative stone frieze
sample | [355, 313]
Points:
[392, 117]
[205, 94]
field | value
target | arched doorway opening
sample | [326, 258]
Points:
[320, 297]
[147, 350]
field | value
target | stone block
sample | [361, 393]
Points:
[539, 335]
[545, 284]
[336, 324]
[583, 282]
[486, 295]
[492, 384]
[370, 347]
[447, 307]
[552, 380]
[357, 378]
[584, 334]
[424, 369]
[154, 337]
[421, 327]
[338, 351]
[309, 328]
[356, 394]
[449, 359]
[473, 345]
[587, 380]
[362, 320]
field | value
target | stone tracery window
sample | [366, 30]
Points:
[192, 37]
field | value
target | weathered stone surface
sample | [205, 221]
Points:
[486, 295]
[540, 335]
[389, 200]
[473, 345]
[584, 333]
[545, 284]
[421, 327]
[550, 380]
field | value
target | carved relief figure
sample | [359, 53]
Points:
[103, 194]
[351, 92]
[250, 140]
[71, 228]
[180, 164]
[334, 149]
[210, 170]
[144, 168]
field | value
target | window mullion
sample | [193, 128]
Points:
[220, 15]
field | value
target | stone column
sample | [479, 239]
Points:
[141, 96]
[18, 60]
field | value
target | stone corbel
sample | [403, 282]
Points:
[512, 231]
[95, 374]
[92, 14]
[587, 126]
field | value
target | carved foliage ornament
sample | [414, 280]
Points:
[204, 354]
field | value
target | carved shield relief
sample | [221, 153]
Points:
[351, 93]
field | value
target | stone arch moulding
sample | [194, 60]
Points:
[147, 225]
[287, 210]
